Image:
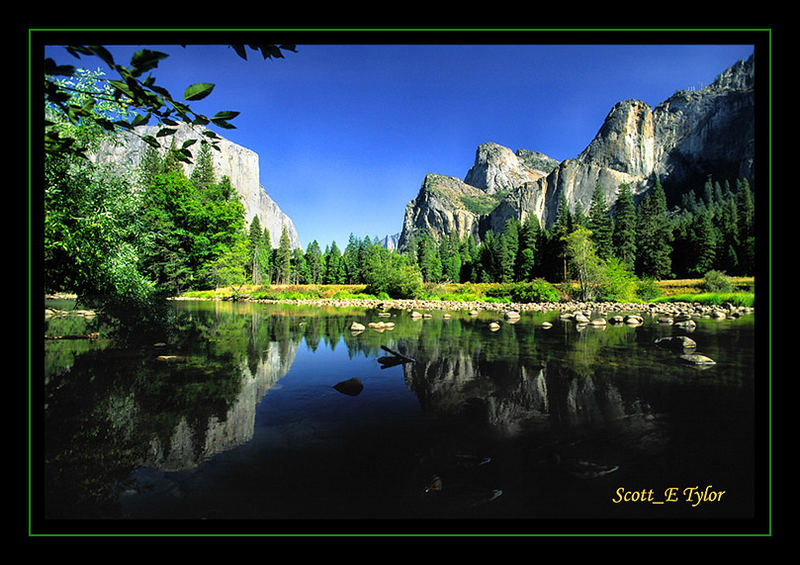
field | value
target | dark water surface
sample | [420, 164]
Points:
[233, 415]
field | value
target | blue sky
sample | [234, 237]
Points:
[346, 133]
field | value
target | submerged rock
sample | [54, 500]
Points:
[697, 359]
[582, 469]
[351, 387]
[676, 342]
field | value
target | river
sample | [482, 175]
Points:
[237, 412]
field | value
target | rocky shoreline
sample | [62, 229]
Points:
[676, 311]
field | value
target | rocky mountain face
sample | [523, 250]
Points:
[680, 142]
[238, 163]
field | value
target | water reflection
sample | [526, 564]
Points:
[232, 377]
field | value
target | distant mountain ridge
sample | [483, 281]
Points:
[680, 142]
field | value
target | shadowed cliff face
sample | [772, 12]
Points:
[237, 163]
[682, 141]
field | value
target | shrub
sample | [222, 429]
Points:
[617, 283]
[648, 289]
[716, 281]
[396, 278]
[538, 290]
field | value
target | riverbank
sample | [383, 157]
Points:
[667, 310]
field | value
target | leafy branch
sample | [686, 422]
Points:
[141, 93]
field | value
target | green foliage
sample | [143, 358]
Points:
[315, 263]
[92, 220]
[623, 237]
[600, 223]
[588, 267]
[310, 293]
[283, 258]
[335, 272]
[653, 236]
[648, 289]
[717, 282]
[393, 274]
[478, 205]
[537, 290]
[138, 94]
[738, 299]
[193, 235]
[428, 258]
[228, 267]
[618, 284]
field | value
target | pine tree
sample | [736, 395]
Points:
[450, 258]
[203, 172]
[600, 224]
[623, 237]
[334, 268]
[350, 260]
[300, 273]
[255, 239]
[150, 166]
[562, 226]
[654, 235]
[266, 256]
[171, 161]
[429, 261]
[507, 252]
[468, 250]
[745, 210]
[314, 261]
[283, 258]
[704, 244]
[526, 252]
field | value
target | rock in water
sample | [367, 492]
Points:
[676, 342]
[351, 387]
[697, 359]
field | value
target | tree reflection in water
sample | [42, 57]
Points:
[503, 422]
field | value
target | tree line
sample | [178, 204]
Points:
[157, 231]
[712, 232]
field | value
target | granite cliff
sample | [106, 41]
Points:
[238, 163]
[679, 143]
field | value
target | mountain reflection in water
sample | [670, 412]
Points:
[236, 414]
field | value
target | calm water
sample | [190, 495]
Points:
[233, 413]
